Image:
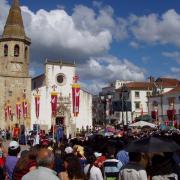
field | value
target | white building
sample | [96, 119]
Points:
[60, 74]
[169, 100]
[136, 103]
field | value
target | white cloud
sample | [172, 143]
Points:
[173, 55]
[110, 68]
[100, 71]
[134, 44]
[153, 28]
[4, 8]
[175, 70]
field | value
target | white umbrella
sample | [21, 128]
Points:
[142, 123]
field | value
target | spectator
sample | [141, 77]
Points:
[72, 168]
[123, 156]
[12, 158]
[162, 168]
[133, 170]
[92, 172]
[45, 161]
[26, 163]
[111, 165]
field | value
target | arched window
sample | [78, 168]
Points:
[16, 50]
[26, 52]
[5, 50]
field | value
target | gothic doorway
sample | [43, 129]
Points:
[60, 121]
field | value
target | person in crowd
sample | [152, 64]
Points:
[111, 166]
[162, 168]
[2, 153]
[58, 166]
[73, 170]
[91, 171]
[123, 156]
[100, 158]
[79, 152]
[133, 170]
[11, 159]
[45, 162]
[26, 163]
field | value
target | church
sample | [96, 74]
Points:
[19, 91]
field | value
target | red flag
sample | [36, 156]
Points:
[18, 110]
[5, 113]
[9, 111]
[54, 103]
[76, 98]
[37, 105]
[25, 108]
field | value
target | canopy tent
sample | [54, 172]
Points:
[142, 123]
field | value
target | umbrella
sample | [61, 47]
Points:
[142, 123]
[153, 144]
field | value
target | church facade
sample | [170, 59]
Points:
[59, 77]
[18, 88]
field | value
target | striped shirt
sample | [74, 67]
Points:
[112, 168]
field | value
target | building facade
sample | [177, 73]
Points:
[15, 82]
[59, 75]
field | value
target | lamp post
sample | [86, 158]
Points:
[103, 101]
[106, 101]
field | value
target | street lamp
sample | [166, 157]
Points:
[103, 101]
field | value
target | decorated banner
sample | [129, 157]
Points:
[54, 96]
[37, 105]
[154, 114]
[9, 111]
[6, 112]
[171, 114]
[25, 108]
[18, 110]
[76, 98]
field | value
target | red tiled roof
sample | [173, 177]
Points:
[167, 82]
[173, 91]
[139, 86]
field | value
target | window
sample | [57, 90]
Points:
[5, 50]
[136, 94]
[10, 93]
[16, 50]
[26, 52]
[137, 105]
[61, 79]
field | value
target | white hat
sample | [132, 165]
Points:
[13, 145]
[97, 154]
[68, 150]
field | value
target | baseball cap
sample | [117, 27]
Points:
[13, 145]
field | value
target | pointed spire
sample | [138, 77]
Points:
[15, 3]
[14, 25]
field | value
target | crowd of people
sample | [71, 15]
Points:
[88, 158]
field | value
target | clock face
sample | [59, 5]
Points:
[16, 67]
[61, 79]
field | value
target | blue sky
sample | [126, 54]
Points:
[109, 39]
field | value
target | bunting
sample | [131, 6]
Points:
[76, 99]
[54, 96]
[37, 105]
[18, 110]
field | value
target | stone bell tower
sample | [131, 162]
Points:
[15, 82]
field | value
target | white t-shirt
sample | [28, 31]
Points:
[95, 173]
